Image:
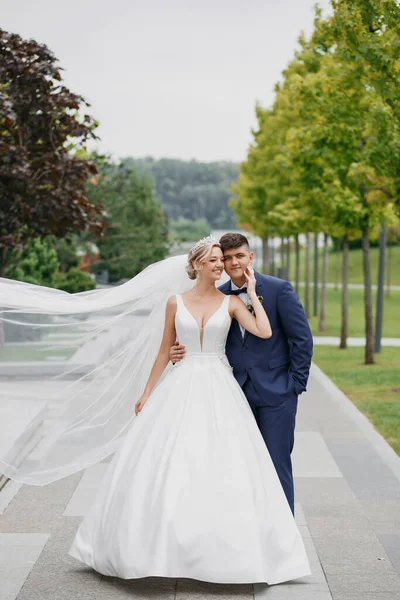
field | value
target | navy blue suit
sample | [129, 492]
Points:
[273, 372]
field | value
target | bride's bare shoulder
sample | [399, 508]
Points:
[171, 303]
[234, 304]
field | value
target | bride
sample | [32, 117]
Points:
[192, 492]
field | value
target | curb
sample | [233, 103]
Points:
[385, 451]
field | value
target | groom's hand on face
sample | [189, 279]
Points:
[177, 352]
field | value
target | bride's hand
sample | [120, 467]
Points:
[250, 279]
[140, 403]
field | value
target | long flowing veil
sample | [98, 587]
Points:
[72, 367]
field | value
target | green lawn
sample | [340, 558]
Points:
[391, 312]
[374, 389]
[355, 265]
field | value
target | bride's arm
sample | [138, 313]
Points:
[162, 359]
[259, 324]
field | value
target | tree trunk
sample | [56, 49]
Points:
[345, 296]
[273, 257]
[307, 282]
[288, 257]
[337, 269]
[380, 292]
[265, 257]
[322, 315]
[315, 289]
[3, 261]
[297, 268]
[389, 266]
[369, 329]
[3, 266]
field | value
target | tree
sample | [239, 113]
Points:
[263, 196]
[73, 281]
[37, 264]
[42, 123]
[66, 249]
[191, 189]
[185, 230]
[348, 146]
[368, 32]
[136, 231]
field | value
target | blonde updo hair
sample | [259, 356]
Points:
[197, 258]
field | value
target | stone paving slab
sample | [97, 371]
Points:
[347, 507]
[312, 587]
[38, 509]
[356, 595]
[367, 474]
[56, 575]
[289, 592]
[85, 491]
[311, 456]
[197, 590]
[8, 493]
[18, 555]
[391, 542]
[155, 588]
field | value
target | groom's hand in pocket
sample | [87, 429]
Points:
[177, 352]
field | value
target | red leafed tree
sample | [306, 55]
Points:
[42, 124]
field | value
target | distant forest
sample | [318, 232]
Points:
[190, 189]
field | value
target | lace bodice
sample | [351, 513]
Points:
[209, 340]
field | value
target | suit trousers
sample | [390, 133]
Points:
[276, 423]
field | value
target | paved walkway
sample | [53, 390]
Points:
[348, 510]
[351, 286]
[330, 340]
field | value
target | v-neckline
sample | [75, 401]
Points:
[209, 318]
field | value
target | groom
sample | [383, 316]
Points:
[272, 372]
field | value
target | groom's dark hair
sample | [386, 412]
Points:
[233, 240]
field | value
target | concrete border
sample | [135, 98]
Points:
[383, 449]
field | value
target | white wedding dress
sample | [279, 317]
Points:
[192, 491]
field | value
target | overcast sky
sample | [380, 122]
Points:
[177, 78]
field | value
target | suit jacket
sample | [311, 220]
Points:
[280, 365]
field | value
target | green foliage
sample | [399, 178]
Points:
[42, 179]
[136, 230]
[368, 33]
[325, 157]
[73, 281]
[191, 189]
[185, 230]
[67, 251]
[37, 264]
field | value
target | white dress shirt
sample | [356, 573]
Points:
[243, 297]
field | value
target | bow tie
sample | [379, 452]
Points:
[242, 290]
